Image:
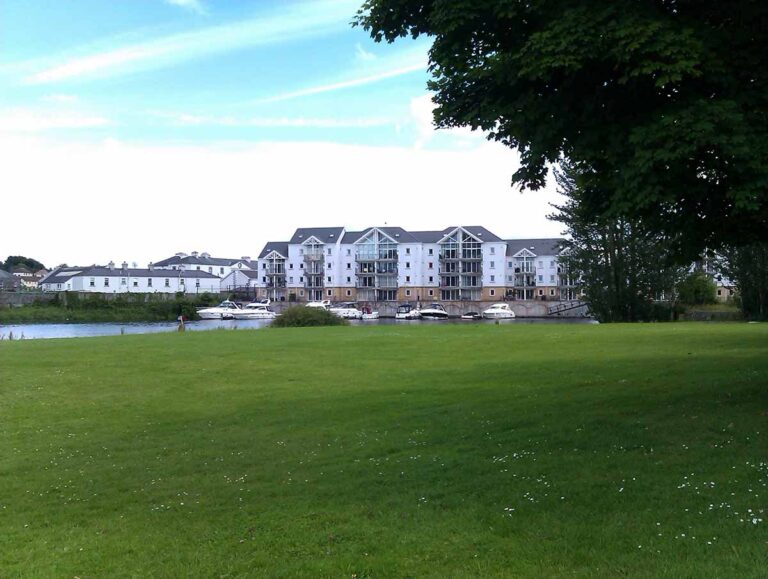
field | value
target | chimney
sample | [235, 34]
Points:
[246, 258]
[205, 254]
[194, 254]
[181, 254]
[125, 265]
[150, 266]
[111, 265]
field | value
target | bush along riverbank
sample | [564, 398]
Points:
[73, 308]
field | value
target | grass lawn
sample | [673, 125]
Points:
[390, 451]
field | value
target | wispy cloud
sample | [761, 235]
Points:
[191, 120]
[32, 121]
[193, 5]
[296, 21]
[345, 84]
[361, 54]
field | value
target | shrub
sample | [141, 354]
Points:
[302, 317]
[697, 289]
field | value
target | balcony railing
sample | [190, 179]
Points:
[313, 255]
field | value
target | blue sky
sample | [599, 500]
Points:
[180, 91]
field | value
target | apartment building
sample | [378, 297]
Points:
[460, 263]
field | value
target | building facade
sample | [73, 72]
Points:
[461, 263]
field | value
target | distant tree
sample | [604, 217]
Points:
[697, 288]
[625, 271]
[747, 267]
[665, 100]
[17, 260]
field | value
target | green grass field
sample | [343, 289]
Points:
[388, 451]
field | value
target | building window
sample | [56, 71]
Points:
[349, 266]
[551, 264]
[167, 282]
[510, 265]
[541, 278]
[106, 282]
[431, 265]
[329, 279]
[329, 293]
[290, 279]
[552, 279]
[551, 292]
[263, 266]
[197, 283]
[431, 292]
[493, 279]
[93, 282]
[407, 251]
[135, 283]
[198, 267]
[123, 281]
[430, 251]
[431, 279]
[301, 293]
[493, 293]
[541, 264]
[493, 250]
[349, 292]
[210, 269]
[407, 265]
[349, 252]
[301, 279]
[301, 266]
[541, 292]
[349, 280]
[149, 282]
[221, 270]
[329, 251]
[493, 265]
[407, 279]
[301, 252]
[264, 279]
[290, 266]
[58, 286]
[329, 265]
[407, 293]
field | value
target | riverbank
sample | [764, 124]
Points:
[394, 450]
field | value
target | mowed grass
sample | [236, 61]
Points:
[389, 451]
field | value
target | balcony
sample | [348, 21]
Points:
[313, 256]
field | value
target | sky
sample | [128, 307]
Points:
[134, 129]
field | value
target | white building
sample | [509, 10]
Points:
[218, 266]
[111, 279]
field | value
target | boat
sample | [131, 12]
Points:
[434, 312]
[499, 312]
[347, 310]
[224, 311]
[407, 312]
[471, 316]
[254, 311]
[324, 304]
[368, 314]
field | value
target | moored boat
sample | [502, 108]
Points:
[434, 312]
[254, 311]
[407, 312]
[224, 311]
[499, 312]
[346, 310]
[471, 316]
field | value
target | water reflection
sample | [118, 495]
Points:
[43, 331]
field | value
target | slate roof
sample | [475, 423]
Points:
[199, 260]
[64, 274]
[480, 232]
[551, 246]
[428, 236]
[324, 234]
[399, 234]
[280, 247]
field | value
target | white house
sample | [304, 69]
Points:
[218, 266]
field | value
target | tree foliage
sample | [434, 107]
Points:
[697, 288]
[624, 270]
[302, 317]
[666, 100]
[747, 267]
[17, 260]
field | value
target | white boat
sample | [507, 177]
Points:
[368, 314]
[499, 312]
[471, 316]
[407, 312]
[224, 311]
[346, 310]
[324, 304]
[434, 312]
[255, 311]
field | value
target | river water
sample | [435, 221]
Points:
[41, 331]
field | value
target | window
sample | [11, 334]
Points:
[407, 265]
[123, 281]
[290, 279]
[492, 293]
[135, 283]
[329, 251]
[349, 280]
[198, 267]
[349, 252]
[349, 266]
[197, 283]
[431, 265]
[493, 250]
[106, 282]
[329, 265]
[541, 264]
[264, 266]
[329, 279]
[349, 292]
[407, 251]
[149, 282]
[551, 292]
[431, 279]
[329, 293]
[301, 293]
[58, 286]
[210, 269]
[430, 251]
[93, 282]
[552, 279]
[541, 292]
[407, 293]
[541, 278]
[431, 292]
[301, 280]
[493, 265]
[719, 292]
[301, 266]
[301, 252]
[493, 278]
[290, 266]
[221, 270]
[407, 279]
[264, 279]
[551, 264]
[510, 265]
[167, 282]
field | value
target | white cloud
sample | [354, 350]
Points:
[119, 201]
[192, 5]
[33, 121]
[64, 99]
[361, 54]
[345, 84]
[292, 21]
[421, 109]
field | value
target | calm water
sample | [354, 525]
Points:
[39, 331]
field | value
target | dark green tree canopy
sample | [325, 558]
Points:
[17, 260]
[667, 100]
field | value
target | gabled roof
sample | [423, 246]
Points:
[323, 234]
[199, 260]
[397, 234]
[480, 232]
[64, 274]
[552, 246]
[280, 247]
[428, 236]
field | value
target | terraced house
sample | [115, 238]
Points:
[460, 263]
